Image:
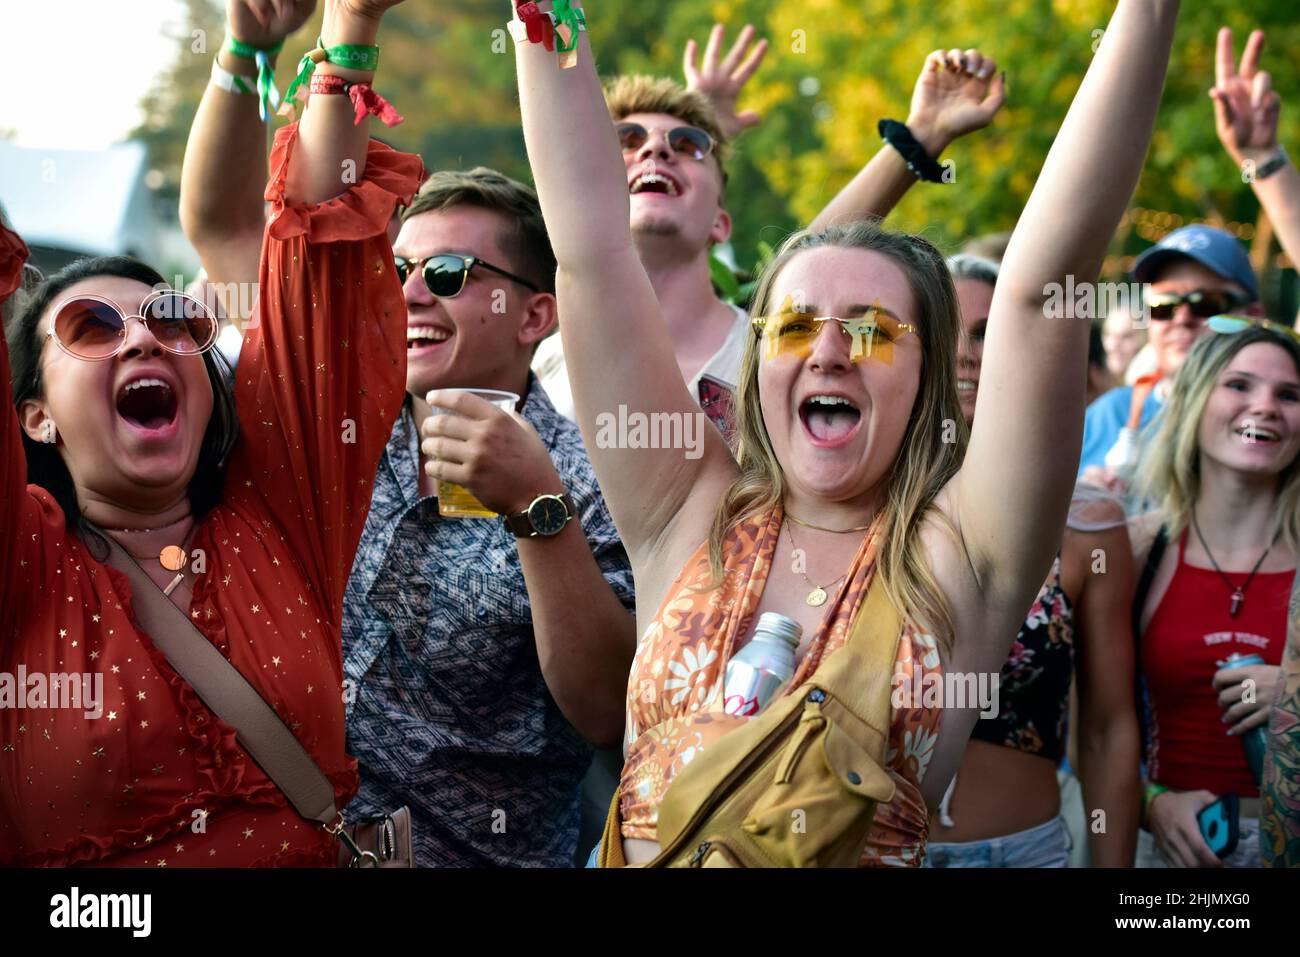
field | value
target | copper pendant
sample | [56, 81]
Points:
[1237, 599]
[816, 597]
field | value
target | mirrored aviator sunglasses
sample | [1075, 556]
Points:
[687, 140]
[91, 328]
[872, 335]
[1227, 325]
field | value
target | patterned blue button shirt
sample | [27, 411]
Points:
[448, 710]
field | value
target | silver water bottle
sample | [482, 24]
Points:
[760, 671]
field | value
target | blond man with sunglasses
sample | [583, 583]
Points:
[675, 143]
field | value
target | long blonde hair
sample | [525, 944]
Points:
[1169, 470]
[933, 445]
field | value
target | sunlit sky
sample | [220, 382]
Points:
[74, 70]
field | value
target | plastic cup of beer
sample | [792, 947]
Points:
[456, 501]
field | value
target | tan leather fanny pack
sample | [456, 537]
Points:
[798, 786]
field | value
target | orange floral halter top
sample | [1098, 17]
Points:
[680, 663]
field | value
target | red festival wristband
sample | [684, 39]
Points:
[537, 25]
[363, 97]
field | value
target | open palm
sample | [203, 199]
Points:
[722, 78]
[957, 93]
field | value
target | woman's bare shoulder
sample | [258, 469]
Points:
[1142, 531]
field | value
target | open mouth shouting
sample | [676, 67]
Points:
[423, 338]
[1253, 434]
[829, 421]
[148, 405]
[651, 180]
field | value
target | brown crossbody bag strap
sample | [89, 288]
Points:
[229, 696]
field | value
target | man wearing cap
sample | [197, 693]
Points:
[1192, 274]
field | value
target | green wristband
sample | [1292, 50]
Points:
[268, 97]
[568, 24]
[1149, 794]
[250, 52]
[353, 56]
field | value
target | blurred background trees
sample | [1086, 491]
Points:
[834, 69]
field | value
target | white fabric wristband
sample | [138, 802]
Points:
[223, 79]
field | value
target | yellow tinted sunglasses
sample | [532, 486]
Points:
[871, 335]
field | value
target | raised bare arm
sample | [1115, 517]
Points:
[1015, 484]
[616, 346]
[224, 172]
[1246, 111]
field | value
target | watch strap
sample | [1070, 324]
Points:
[1272, 164]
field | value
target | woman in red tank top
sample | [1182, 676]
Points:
[1223, 470]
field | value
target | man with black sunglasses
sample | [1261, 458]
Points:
[1192, 274]
[485, 653]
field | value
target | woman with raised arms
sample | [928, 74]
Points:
[123, 427]
[849, 427]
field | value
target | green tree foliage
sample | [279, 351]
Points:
[833, 70]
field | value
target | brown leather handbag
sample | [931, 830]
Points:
[268, 741]
[798, 786]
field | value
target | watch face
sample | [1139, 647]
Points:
[548, 515]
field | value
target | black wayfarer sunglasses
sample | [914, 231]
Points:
[445, 274]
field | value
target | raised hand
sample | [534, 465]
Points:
[1246, 106]
[955, 94]
[722, 81]
[366, 9]
[264, 23]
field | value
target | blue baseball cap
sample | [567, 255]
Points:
[1212, 248]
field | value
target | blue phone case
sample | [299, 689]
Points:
[1218, 823]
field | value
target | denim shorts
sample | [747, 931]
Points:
[1047, 845]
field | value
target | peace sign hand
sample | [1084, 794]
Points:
[1246, 106]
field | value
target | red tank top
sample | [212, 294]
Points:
[1190, 631]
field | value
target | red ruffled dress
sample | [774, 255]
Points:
[157, 780]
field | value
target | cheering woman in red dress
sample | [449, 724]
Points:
[123, 423]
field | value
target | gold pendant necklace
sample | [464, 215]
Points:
[817, 597]
[172, 558]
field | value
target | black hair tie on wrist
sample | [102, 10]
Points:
[922, 165]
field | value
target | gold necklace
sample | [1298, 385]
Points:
[817, 597]
[172, 558]
[157, 528]
[823, 528]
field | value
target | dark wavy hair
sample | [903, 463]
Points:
[26, 340]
